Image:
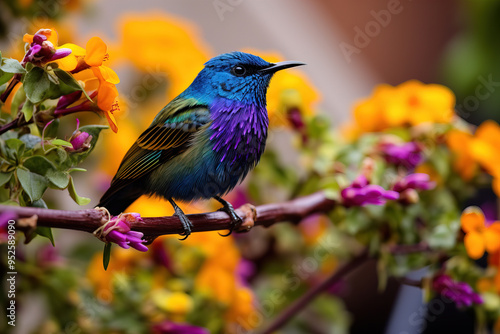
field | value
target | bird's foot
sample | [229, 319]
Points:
[186, 223]
[236, 220]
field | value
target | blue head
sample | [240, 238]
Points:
[236, 76]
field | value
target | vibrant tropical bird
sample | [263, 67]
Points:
[204, 142]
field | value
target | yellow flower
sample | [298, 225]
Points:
[157, 42]
[93, 55]
[177, 303]
[411, 103]
[479, 237]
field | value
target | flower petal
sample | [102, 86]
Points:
[472, 219]
[109, 75]
[492, 239]
[474, 244]
[111, 121]
[96, 50]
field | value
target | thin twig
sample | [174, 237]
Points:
[15, 123]
[89, 220]
[309, 296]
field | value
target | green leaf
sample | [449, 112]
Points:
[43, 231]
[30, 140]
[0, 57]
[4, 178]
[19, 98]
[106, 255]
[38, 164]
[57, 156]
[33, 184]
[72, 192]
[76, 169]
[60, 142]
[47, 233]
[36, 85]
[28, 110]
[14, 149]
[5, 77]
[67, 79]
[10, 65]
[59, 179]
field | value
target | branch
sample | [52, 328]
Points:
[309, 296]
[152, 227]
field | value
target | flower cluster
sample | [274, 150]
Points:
[86, 65]
[43, 48]
[479, 149]
[360, 193]
[117, 230]
[480, 235]
[460, 293]
[409, 104]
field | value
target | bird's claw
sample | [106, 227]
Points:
[236, 222]
[186, 225]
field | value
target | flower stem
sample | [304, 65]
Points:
[309, 296]
[15, 123]
[15, 80]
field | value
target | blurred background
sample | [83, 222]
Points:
[158, 46]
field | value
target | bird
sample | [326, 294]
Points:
[204, 142]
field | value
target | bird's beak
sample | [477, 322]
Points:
[280, 66]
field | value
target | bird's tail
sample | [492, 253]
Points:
[118, 198]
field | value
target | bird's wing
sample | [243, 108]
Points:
[166, 138]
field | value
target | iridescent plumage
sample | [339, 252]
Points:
[204, 142]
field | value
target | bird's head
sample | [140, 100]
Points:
[237, 76]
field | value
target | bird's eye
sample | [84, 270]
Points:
[238, 71]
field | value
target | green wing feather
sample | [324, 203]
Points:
[169, 135]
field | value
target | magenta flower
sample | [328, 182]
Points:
[168, 327]
[67, 100]
[118, 231]
[459, 292]
[42, 51]
[361, 193]
[408, 154]
[80, 141]
[417, 181]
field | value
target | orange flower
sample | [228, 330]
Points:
[411, 103]
[160, 43]
[459, 143]
[99, 83]
[479, 236]
[485, 147]
[93, 55]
